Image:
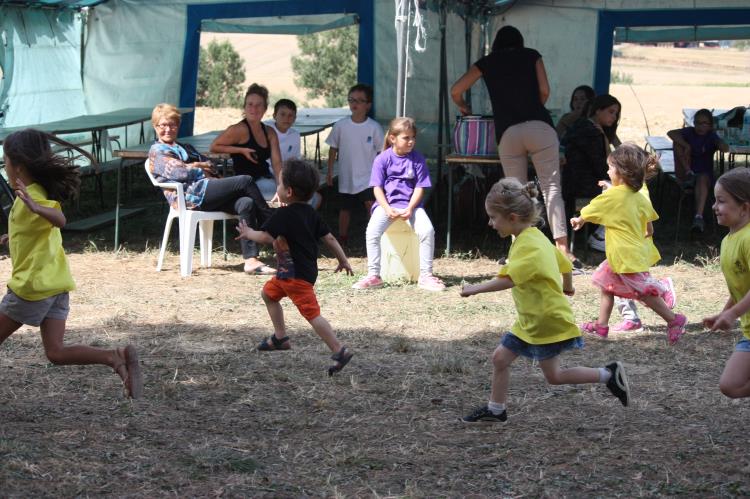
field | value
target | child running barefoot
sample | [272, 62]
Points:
[294, 231]
[627, 216]
[40, 280]
[545, 326]
[399, 178]
[732, 208]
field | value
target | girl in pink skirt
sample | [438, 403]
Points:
[628, 217]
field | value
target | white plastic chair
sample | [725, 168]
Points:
[187, 222]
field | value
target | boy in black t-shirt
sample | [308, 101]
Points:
[294, 230]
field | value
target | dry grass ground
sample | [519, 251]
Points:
[220, 419]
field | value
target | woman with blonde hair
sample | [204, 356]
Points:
[204, 190]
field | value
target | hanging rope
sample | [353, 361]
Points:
[420, 41]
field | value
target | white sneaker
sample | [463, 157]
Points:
[431, 283]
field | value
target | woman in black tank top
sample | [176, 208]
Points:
[250, 143]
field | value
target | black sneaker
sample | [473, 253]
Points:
[483, 414]
[699, 225]
[618, 382]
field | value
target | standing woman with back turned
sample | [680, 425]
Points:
[517, 83]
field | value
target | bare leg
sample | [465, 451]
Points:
[562, 245]
[735, 380]
[7, 327]
[53, 331]
[345, 216]
[656, 303]
[325, 331]
[555, 375]
[605, 308]
[701, 193]
[502, 358]
[277, 315]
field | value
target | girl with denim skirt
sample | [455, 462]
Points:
[628, 215]
[40, 279]
[732, 209]
[545, 327]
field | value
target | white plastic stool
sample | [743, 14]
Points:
[399, 253]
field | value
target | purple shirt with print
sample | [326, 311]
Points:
[399, 176]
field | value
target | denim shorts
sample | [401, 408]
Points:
[742, 346]
[539, 352]
[33, 313]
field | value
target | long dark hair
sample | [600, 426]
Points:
[590, 95]
[603, 101]
[58, 175]
[507, 38]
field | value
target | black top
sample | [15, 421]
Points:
[243, 166]
[585, 160]
[510, 76]
[302, 227]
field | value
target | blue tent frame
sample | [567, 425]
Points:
[610, 19]
[364, 9]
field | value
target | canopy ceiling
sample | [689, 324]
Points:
[57, 4]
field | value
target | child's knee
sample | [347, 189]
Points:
[266, 299]
[499, 359]
[55, 355]
[730, 389]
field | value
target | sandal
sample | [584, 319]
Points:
[341, 358]
[273, 343]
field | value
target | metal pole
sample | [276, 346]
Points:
[401, 46]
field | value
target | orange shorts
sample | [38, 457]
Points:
[299, 291]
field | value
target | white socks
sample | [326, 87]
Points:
[604, 374]
[496, 408]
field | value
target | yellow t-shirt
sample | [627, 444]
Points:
[654, 255]
[735, 265]
[625, 214]
[544, 313]
[40, 269]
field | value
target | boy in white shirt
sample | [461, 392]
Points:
[284, 116]
[354, 141]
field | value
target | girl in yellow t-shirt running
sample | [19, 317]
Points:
[545, 326]
[40, 279]
[627, 216]
[732, 209]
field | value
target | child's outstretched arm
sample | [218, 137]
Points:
[577, 222]
[729, 314]
[334, 246]
[52, 215]
[259, 236]
[496, 284]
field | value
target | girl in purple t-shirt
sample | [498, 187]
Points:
[399, 178]
[694, 148]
